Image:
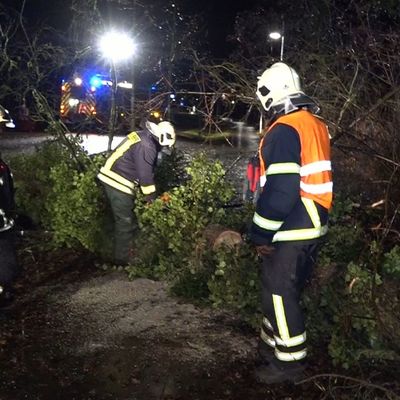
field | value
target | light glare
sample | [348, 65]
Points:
[275, 35]
[117, 46]
[125, 85]
[73, 102]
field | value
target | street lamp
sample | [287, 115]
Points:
[116, 47]
[276, 36]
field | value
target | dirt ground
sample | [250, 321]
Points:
[77, 332]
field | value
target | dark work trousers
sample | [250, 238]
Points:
[9, 268]
[284, 274]
[125, 223]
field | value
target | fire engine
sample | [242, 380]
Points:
[87, 99]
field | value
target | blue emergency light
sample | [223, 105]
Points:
[95, 81]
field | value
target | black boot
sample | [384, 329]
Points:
[271, 373]
[265, 353]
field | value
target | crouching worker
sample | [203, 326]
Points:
[131, 166]
[9, 268]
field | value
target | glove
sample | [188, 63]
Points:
[165, 197]
[150, 198]
[264, 250]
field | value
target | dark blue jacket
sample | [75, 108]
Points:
[132, 164]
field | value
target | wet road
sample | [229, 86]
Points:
[17, 142]
[234, 153]
[244, 140]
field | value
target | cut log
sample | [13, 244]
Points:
[217, 235]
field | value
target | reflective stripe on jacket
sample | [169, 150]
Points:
[132, 164]
[315, 169]
[6, 223]
[296, 178]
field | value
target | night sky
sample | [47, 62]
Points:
[218, 15]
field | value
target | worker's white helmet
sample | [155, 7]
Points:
[277, 84]
[164, 132]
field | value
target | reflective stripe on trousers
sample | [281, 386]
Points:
[284, 275]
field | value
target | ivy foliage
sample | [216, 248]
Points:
[235, 282]
[32, 183]
[171, 241]
[391, 263]
[76, 206]
[352, 305]
[61, 194]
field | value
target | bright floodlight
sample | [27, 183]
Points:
[117, 46]
[275, 35]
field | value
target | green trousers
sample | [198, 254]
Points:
[125, 223]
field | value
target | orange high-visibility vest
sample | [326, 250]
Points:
[315, 169]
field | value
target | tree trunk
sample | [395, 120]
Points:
[217, 235]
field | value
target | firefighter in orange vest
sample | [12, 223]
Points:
[291, 217]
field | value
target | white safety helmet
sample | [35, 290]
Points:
[164, 132]
[277, 84]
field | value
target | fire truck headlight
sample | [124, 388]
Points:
[73, 102]
[78, 81]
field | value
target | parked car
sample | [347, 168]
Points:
[5, 119]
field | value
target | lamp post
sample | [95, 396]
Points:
[276, 36]
[116, 47]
